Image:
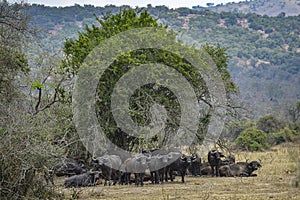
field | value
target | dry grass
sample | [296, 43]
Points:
[273, 182]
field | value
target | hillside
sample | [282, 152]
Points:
[264, 51]
[261, 7]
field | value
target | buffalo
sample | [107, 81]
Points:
[240, 169]
[214, 159]
[110, 166]
[158, 165]
[82, 180]
[137, 165]
[194, 168]
[68, 167]
[206, 169]
[180, 165]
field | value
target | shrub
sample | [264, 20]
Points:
[269, 124]
[284, 135]
[252, 139]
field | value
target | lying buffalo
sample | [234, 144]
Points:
[82, 180]
[68, 167]
[240, 169]
[205, 168]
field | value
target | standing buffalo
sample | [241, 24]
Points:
[110, 166]
[194, 168]
[240, 169]
[179, 165]
[137, 165]
[214, 159]
[157, 165]
[86, 179]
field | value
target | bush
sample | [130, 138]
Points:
[269, 124]
[284, 135]
[252, 139]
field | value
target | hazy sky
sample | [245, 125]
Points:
[133, 3]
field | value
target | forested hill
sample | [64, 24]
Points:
[264, 51]
[261, 7]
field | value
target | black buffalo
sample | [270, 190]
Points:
[110, 167]
[194, 168]
[240, 169]
[206, 169]
[179, 165]
[214, 160]
[158, 165]
[82, 180]
[68, 167]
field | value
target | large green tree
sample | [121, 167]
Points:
[144, 98]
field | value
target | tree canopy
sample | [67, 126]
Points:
[143, 99]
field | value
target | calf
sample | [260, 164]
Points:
[86, 179]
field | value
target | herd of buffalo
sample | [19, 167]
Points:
[155, 166]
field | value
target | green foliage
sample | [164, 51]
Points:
[252, 139]
[284, 135]
[77, 50]
[269, 124]
[220, 58]
[294, 113]
[234, 129]
[263, 50]
[37, 85]
[13, 62]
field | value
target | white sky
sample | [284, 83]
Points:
[133, 3]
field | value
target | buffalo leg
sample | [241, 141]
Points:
[136, 177]
[182, 176]
[142, 179]
[212, 170]
[217, 171]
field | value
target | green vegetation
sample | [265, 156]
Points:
[259, 53]
[262, 7]
[76, 50]
[267, 131]
[269, 124]
[252, 140]
[25, 149]
[263, 51]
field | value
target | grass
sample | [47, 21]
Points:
[274, 181]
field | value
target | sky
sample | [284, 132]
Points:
[133, 3]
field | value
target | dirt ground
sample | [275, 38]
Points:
[274, 181]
